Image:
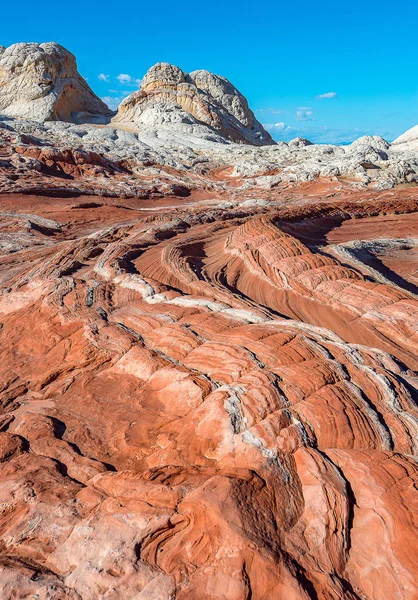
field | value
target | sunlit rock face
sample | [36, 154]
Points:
[41, 82]
[197, 404]
[409, 137]
[170, 97]
[208, 354]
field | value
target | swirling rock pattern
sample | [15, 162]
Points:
[207, 402]
[208, 350]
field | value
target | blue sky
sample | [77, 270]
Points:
[282, 56]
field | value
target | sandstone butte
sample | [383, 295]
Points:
[208, 348]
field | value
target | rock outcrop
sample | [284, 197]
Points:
[168, 97]
[409, 137]
[40, 82]
[205, 402]
[118, 161]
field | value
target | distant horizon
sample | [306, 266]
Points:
[321, 72]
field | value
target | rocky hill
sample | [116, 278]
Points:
[198, 102]
[41, 82]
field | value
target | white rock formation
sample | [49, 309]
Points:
[199, 103]
[409, 137]
[369, 161]
[177, 120]
[41, 82]
[300, 142]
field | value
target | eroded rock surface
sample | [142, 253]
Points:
[208, 357]
[410, 138]
[198, 103]
[41, 82]
[110, 160]
[205, 402]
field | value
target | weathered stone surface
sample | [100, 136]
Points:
[213, 407]
[409, 137]
[199, 102]
[41, 82]
[112, 160]
[208, 364]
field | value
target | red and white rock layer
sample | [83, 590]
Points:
[208, 350]
[205, 403]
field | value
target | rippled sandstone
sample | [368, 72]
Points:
[208, 368]
[203, 407]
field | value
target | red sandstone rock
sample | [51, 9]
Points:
[205, 408]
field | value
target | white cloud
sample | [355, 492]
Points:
[278, 128]
[103, 77]
[327, 95]
[126, 79]
[273, 111]
[304, 113]
[112, 102]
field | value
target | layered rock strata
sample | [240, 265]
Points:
[88, 159]
[201, 402]
[208, 353]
